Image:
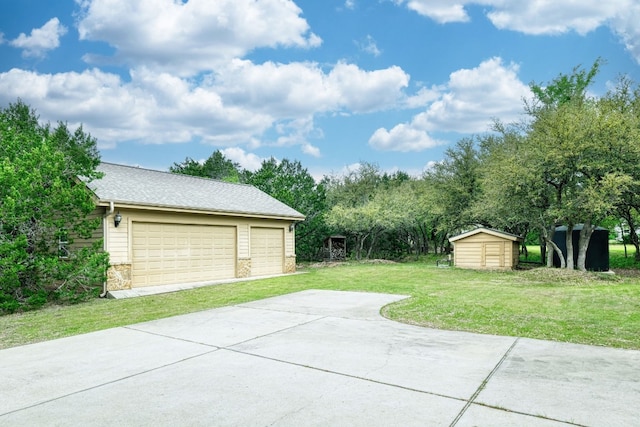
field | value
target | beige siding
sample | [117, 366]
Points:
[482, 238]
[289, 242]
[485, 251]
[267, 251]
[243, 240]
[117, 239]
[467, 255]
[493, 254]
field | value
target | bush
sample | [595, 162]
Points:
[41, 200]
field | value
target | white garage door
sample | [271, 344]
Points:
[178, 253]
[267, 251]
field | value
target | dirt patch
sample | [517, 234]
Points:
[332, 264]
[568, 277]
[627, 272]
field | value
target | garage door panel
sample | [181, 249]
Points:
[180, 253]
[267, 251]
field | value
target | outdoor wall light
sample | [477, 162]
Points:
[292, 227]
[117, 219]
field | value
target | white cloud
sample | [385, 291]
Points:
[467, 104]
[248, 161]
[298, 90]
[311, 150]
[189, 37]
[556, 17]
[423, 97]
[41, 40]
[442, 11]
[368, 45]
[286, 90]
[538, 17]
[403, 137]
[350, 4]
[475, 96]
[235, 106]
[626, 27]
[366, 91]
[151, 108]
[297, 132]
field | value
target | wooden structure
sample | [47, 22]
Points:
[335, 248]
[484, 248]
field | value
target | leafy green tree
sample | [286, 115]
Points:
[573, 163]
[513, 198]
[381, 212]
[456, 181]
[355, 188]
[217, 166]
[293, 185]
[43, 208]
[624, 99]
[351, 210]
[566, 88]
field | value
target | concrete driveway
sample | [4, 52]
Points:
[313, 358]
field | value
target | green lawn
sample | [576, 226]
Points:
[540, 303]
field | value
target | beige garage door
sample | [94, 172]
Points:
[267, 251]
[178, 253]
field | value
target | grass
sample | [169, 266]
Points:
[543, 303]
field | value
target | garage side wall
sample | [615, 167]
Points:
[119, 242]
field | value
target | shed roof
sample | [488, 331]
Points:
[492, 232]
[150, 188]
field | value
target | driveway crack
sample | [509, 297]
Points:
[484, 383]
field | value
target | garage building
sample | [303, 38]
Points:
[162, 228]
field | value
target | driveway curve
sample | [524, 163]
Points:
[313, 358]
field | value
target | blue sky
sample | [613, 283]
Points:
[330, 83]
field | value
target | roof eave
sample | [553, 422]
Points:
[159, 207]
[489, 231]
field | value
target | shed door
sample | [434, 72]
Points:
[494, 255]
[267, 251]
[179, 253]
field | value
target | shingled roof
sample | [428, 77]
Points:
[150, 188]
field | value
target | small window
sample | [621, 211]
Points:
[63, 244]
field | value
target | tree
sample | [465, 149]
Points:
[217, 166]
[355, 188]
[43, 208]
[563, 89]
[456, 180]
[624, 99]
[292, 184]
[574, 154]
[351, 210]
[513, 198]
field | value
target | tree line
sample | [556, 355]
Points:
[573, 159]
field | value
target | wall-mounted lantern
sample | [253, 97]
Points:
[117, 219]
